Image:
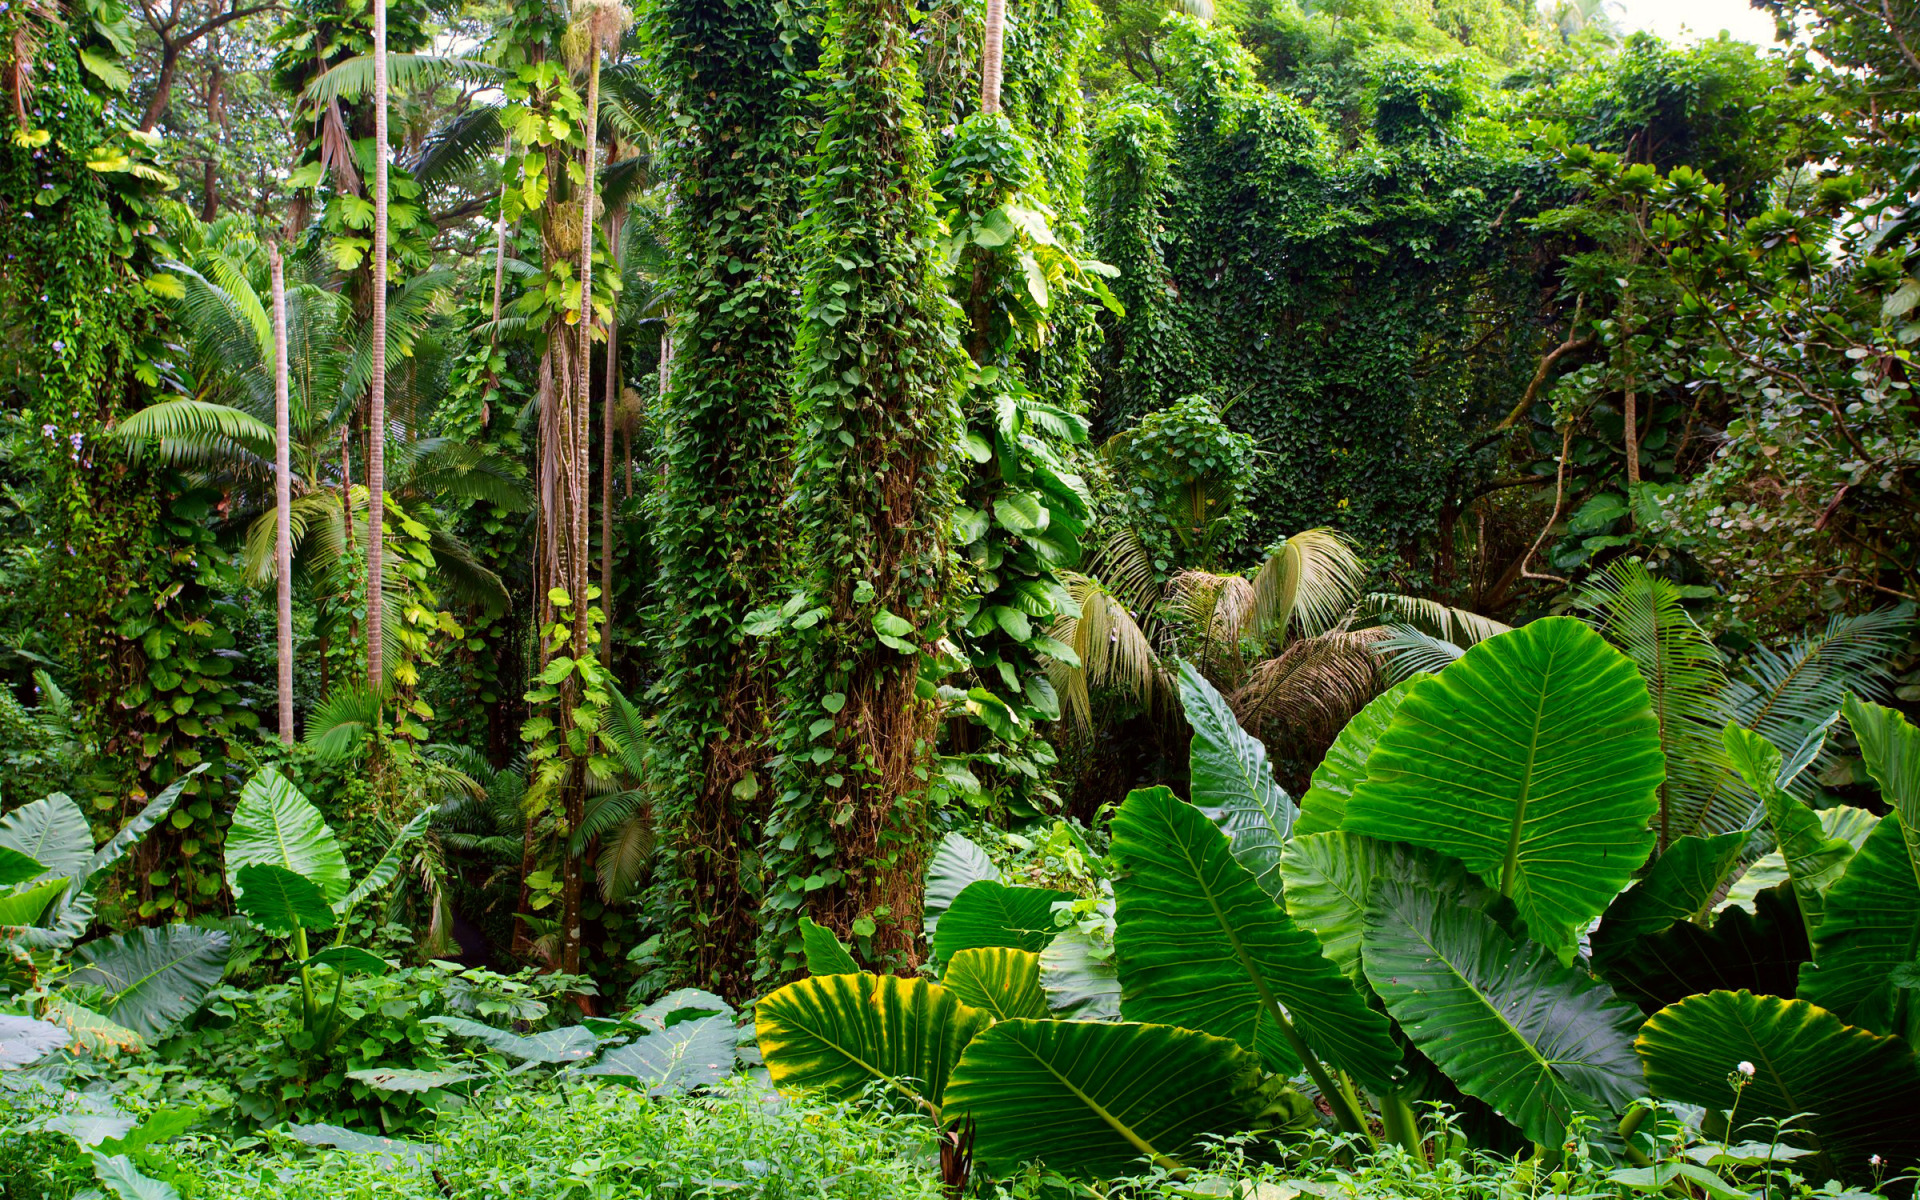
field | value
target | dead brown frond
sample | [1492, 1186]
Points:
[1113, 650]
[1306, 586]
[1299, 700]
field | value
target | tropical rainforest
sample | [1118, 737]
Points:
[944, 598]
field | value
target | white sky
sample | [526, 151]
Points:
[1694, 20]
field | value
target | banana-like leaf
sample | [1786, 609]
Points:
[1200, 945]
[825, 954]
[53, 832]
[1760, 951]
[987, 913]
[1534, 760]
[1812, 859]
[569, 1043]
[154, 978]
[995, 979]
[387, 869]
[279, 901]
[23, 1039]
[1864, 953]
[274, 825]
[1680, 887]
[958, 862]
[1092, 1098]
[692, 1054]
[1080, 982]
[16, 867]
[1330, 877]
[152, 814]
[838, 1034]
[1231, 777]
[1324, 808]
[1848, 1091]
[1537, 1041]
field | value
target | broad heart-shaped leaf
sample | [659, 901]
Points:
[1330, 879]
[692, 1054]
[1813, 860]
[1535, 761]
[16, 867]
[1682, 883]
[51, 831]
[121, 1178]
[825, 954]
[1890, 746]
[1850, 1092]
[28, 905]
[1869, 935]
[154, 978]
[1537, 1041]
[837, 1034]
[1759, 951]
[1080, 983]
[351, 960]
[407, 1079]
[274, 825]
[987, 913]
[995, 979]
[23, 1039]
[957, 862]
[1093, 1098]
[1324, 808]
[1229, 776]
[1200, 945]
[279, 901]
[570, 1043]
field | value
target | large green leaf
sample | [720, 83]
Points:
[51, 831]
[1230, 776]
[1890, 745]
[995, 979]
[154, 812]
[23, 1039]
[1866, 949]
[1850, 1093]
[1759, 951]
[1537, 1041]
[1329, 877]
[1813, 860]
[838, 1034]
[1200, 945]
[688, 1055]
[274, 825]
[1093, 1098]
[154, 978]
[279, 901]
[987, 913]
[386, 869]
[16, 867]
[28, 905]
[825, 954]
[1079, 978]
[958, 862]
[1681, 886]
[569, 1043]
[1533, 760]
[1324, 808]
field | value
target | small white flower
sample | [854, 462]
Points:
[1875, 1161]
[1745, 1068]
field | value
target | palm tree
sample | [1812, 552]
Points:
[377, 403]
[990, 47]
[282, 500]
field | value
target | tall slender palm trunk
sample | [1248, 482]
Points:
[377, 408]
[282, 497]
[990, 45]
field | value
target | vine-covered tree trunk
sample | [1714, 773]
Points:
[725, 443]
[877, 422]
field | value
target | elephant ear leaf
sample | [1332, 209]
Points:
[51, 831]
[1200, 945]
[825, 953]
[1231, 777]
[989, 913]
[1079, 978]
[840, 1034]
[1759, 951]
[1535, 760]
[1681, 886]
[995, 979]
[281, 902]
[153, 978]
[1846, 1091]
[274, 825]
[958, 862]
[16, 867]
[1092, 1098]
[1324, 808]
[1890, 745]
[1539, 1042]
[1330, 879]
[1863, 952]
[1813, 860]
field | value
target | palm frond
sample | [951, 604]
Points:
[1642, 616]
[338, 727]
[1301, 698]
[1784, 695]
[445, 469]
[626, 853]
[1113, 651]
[191, 426]
[352, 78]
[464, 576]
[1308, 583]
[460, 147]
[306, 511]
[1125, 566]
[1214, 608]
[1405, 652]
[626, 731]
[1456, 625]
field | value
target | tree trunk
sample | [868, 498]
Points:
[607, 415]
[162, 86]
[282, 496]
[990, 56]
[500, 239]
[377, 409]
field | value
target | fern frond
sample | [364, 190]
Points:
[352, 78]
[338, 727]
